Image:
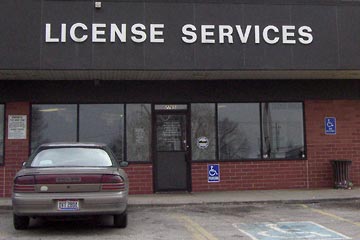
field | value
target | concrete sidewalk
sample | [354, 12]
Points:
[220, 197]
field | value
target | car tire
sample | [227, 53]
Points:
[120, 220]
[21, 222]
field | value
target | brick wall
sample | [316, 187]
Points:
[323, 148]
[16, 151]
[315, 172]
[252, 175]
[140, 178]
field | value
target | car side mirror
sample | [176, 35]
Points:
[124, 164]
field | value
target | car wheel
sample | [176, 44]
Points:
[21, 222]
[120, 220]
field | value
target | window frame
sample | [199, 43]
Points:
[31, 120]
[217, 160]
[152, 104]
[151, 160]
[216, 132]
[125, 157]
[260, 128]
[124, 123]
[303, 133]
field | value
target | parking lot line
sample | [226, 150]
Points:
[198, 232]
[330, 215]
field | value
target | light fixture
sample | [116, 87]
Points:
[97, 5]
[52, 110]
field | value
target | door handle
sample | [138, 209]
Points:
[186, 147]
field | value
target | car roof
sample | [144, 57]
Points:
[72, 144]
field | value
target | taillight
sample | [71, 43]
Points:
[24, 184]
[112, 183]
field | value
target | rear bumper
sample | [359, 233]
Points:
[45, 204]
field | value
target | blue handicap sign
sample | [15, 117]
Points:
[288, 231]
[213, 173]
[330, 125]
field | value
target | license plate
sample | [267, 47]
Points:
[68, 205]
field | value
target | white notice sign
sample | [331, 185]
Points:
[17, 127]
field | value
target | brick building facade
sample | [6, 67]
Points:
[233, 86]
[314, 172]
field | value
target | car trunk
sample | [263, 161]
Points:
[63, 180]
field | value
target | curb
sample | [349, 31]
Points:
[6, 207]
[305, 201]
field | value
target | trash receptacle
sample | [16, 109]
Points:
[341, 173]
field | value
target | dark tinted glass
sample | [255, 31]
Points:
[203, 131]
[103, 123]
[170, 132]
[239, 130]
[2, 134]
[283, 130]
[138, 132]
[72, 157]
[53, 123]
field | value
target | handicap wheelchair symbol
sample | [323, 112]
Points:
[213, 172]
[288, 230]
[329, 124]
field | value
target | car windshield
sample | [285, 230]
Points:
[72, 157]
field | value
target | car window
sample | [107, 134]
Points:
[72, 157]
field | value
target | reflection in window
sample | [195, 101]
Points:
[2, 113]
[203, 131]
[72, 157]
[53, 123]
[170, 132]
[239, 131]
[138, 132]
[103, 123]
[283, 133]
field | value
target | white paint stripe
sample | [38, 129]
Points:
[244, 232]
[321, 226]
[342, 236]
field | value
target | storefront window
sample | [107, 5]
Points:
[53, 123]
[283, 130]
[239, 131]
[103, 123]
[138, 132]
[2, 113]
[203, 131]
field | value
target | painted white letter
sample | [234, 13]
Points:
[286, 34]
[140, 33]
[96, 32]
[306, 36]
[154, 33]
[207, 31]
[243, 36]
[266, 34]
[48, 37]
[114, 31]
[63, 32]
[225, 31]
[257, 34]
[73, 30]
[186, 31]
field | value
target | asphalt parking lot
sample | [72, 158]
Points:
[320, 221]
